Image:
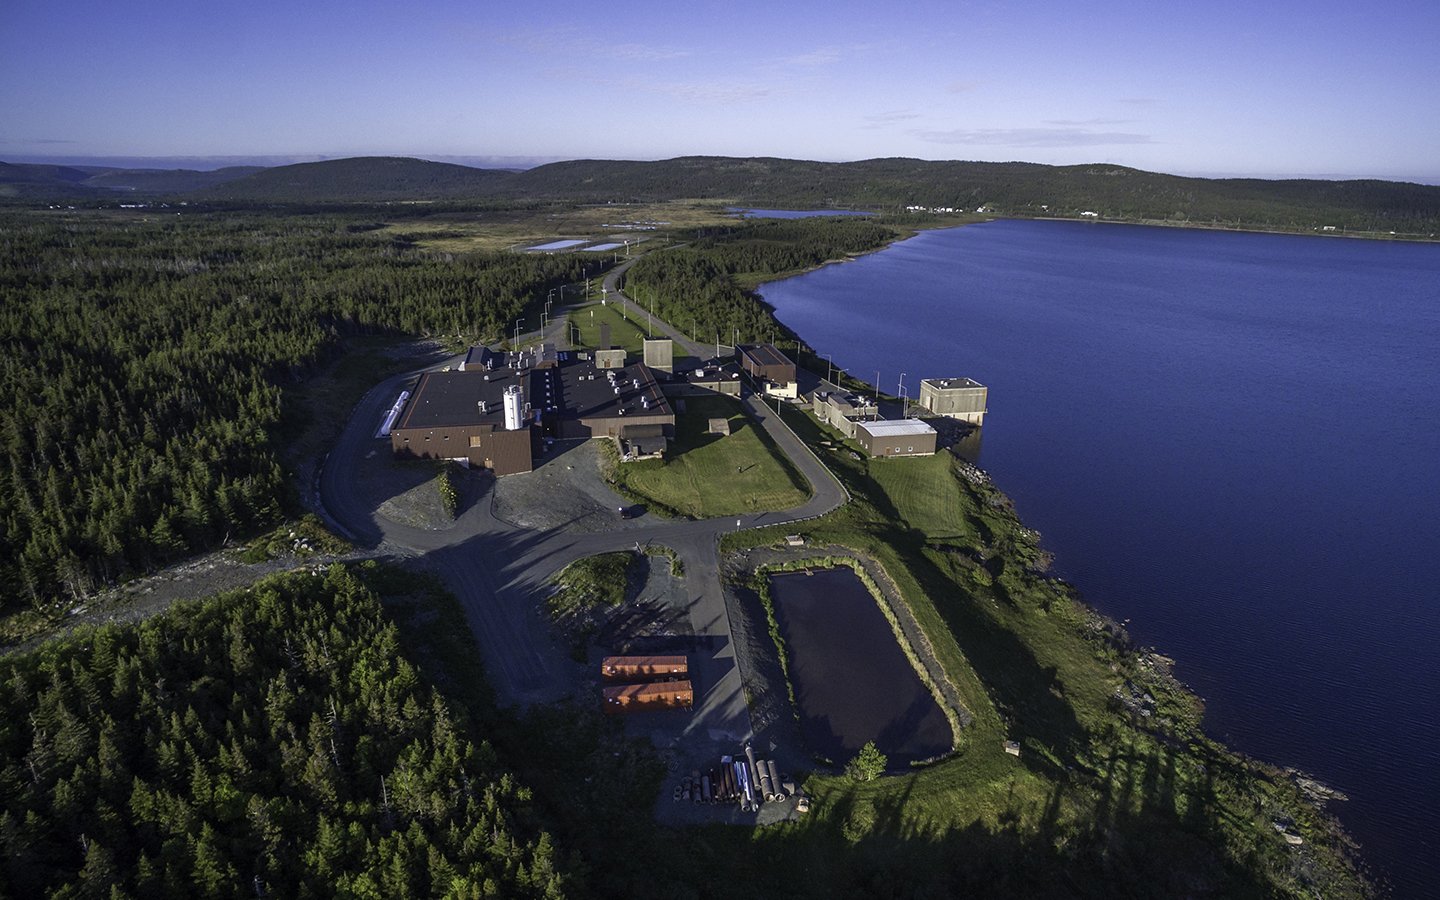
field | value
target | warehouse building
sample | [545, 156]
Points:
[905, 437]
[713, 377]
[844, 411]
[771, 371]
[496, 411]
[957, 398]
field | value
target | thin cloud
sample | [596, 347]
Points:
[719, 93]
[824, 56]
[1031, 137]
[567, 42]
[1086, 123]
[880, 120]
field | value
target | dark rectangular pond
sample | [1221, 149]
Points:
[853, 682]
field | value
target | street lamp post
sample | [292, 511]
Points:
[829, 369]
[904, 406]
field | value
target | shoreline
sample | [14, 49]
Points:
[1315, 792]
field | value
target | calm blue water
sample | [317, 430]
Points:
[1231, 440]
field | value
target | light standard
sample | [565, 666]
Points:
[903, 405]
[518, 323]
[829, 369]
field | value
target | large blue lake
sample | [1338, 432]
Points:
[1232, 441]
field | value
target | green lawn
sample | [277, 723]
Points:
[706, 475]
[623, 333]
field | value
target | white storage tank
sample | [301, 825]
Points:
[514, 408]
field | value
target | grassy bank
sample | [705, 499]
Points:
[705, 475]
[1115, 776]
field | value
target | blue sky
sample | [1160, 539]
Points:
[1265, 87]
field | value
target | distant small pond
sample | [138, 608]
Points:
[795, 213]
[852, 681]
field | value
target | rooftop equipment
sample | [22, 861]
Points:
[514, 416]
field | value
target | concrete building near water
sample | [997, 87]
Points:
[905, 437]
[957, 398]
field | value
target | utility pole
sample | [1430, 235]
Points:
[903, 410]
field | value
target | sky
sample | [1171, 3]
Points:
[1267, 88]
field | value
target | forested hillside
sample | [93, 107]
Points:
[142, 367]
[701, 288]
[880, 185]
[269, 743]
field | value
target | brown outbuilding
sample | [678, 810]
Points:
[627, 698]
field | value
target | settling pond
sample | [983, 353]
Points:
[852, 681]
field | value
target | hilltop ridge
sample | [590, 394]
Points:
[887, 185]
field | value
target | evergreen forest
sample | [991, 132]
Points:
[272, 742]
[144, 361]
[705, 287]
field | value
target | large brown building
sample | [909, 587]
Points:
[772, 371]
[495, 412]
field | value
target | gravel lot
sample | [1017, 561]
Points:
[565, 491]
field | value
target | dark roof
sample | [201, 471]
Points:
[766, 355]
[712, 371]
[447, 399]
[572, 389]
[581, 391]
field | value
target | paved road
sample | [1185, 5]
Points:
[499, 571]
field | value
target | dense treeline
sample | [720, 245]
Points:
[142, 361]
[879, 185]
[270, 743]
[699, 288]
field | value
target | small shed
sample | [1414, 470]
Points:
[624, 698]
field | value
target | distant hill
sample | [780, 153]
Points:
[369, 178]
[882, 185]
[167, 181]
[888, 185]
[40, 181]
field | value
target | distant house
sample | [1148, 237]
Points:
[1090, 215]
[905, 437]
[771, 371]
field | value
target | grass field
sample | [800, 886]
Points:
[705, 475]
[626, 333]
[512, 229]
[1032, 663]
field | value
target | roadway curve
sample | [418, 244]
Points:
[499, 571]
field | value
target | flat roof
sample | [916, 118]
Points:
[573, 388]
[766, 355]
[448, 399]
[951, 383]
[895, 428]
[711, 371]
[579, 390]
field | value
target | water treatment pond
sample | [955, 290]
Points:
[852, 681]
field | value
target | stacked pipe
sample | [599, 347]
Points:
[767, 786]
